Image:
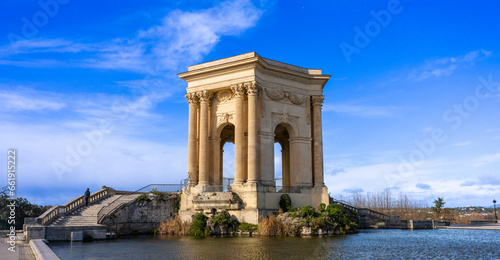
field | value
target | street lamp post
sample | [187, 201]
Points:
[495, 206]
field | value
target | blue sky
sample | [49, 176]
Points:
[412, 104]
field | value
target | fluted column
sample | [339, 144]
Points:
[193, 111]
[239, 134]
[252, 91]
[317, 103]
[204, 97]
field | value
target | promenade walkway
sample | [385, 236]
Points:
[23, 251]
[478, 227]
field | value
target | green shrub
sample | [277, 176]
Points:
[177, 205]
[285, 202]
[159, 196]
[225, 219]
[199, 225]
[247, 227]
[142, 197]
[322, 207]
[332, 217]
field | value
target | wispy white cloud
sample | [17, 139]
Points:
[182, 38]
[446, 66]
[30, 100]
[57, 45]
[487, 159]
[36, 63]
[428, 129]
[463, 143]
[423, 186]
[487, 179]
[353, 190]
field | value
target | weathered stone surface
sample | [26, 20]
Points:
[41, 250]
[141, 216]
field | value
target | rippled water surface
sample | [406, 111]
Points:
[371, 244]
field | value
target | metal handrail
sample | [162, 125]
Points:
[161, 188]
[344, 203]
[111, 208]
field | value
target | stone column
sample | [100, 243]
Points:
[252, 92]
[204, 97]
[239, 134]
[317, 103]
[285, 163]
[193, 114]
[217, 161]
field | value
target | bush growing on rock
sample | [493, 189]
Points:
[199, 225]
[247, 227]
[334, 219]
[222, 223]
[285, 202]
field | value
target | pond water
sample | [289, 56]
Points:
[367, 244]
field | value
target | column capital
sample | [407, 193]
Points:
[252, 88]
[238, 89]
[192, 98]
[204, 96]
[317, 100]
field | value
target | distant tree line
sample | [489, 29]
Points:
[23, 209]
[407, 208]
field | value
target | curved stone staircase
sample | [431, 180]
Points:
[75, 219]
[85, 215]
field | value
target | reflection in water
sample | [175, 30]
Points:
[373, 244]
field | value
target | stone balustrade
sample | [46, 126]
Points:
[76, 203]
[48, 215]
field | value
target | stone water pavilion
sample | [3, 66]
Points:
[254, 103]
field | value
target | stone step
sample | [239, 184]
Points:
[86, 215]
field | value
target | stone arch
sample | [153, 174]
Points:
[290, 122]
[224, 133]
[282, 134]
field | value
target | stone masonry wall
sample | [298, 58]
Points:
[141, 216]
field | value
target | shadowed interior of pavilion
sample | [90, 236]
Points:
[221, 183]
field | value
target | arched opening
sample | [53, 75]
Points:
[278, 164]
[282, 156]
[226, 173]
